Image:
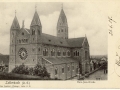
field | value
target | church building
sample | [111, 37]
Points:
[63, 57]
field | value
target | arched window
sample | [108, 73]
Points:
[64, 53]
[68, 68]
[77, 69]
[53, 52]
[43, 53]
[38, 32]
[12, 34]
[46, 52]
[56, 71]
[61, 30]
[26, 40]
[68, 53]
[86, 55]
[76, 53]
[22, 33]
[58, 53]
[58, 31]
[73, 66]
[38, 49]
[19, 41]
[62, 70]
[33, 49]
[33, 32]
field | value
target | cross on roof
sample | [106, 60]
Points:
[35, 7]
[62, 5]
[15, 12]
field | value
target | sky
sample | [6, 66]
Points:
[88, 18]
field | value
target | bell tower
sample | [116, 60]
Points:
[13, 33]
[35, 28]
[62, 25]
[35, 38]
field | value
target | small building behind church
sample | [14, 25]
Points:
[63, 57]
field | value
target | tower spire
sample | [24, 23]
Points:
[62, 25]
[36, 20]
[62, 6]
[15, 24]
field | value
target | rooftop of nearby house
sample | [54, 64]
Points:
[4, 59]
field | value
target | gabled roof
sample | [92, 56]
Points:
[15, 24]
[58, 41]
[62, 18]
[53, 40]
[76, 42]
[36, 20]
[26, 30]
[4, 59]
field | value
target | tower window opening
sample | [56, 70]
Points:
[38, 31]
[45, 52]
[86, 53]
[68, 68]
[61, 42]
[76, 53]
[56, 71]
[26, 40]
[58, 31]
[68, 53]
[19, 41]
[12, 34]
[53, 52]
[58, 53]
[62, 70]
[22, 33]
[38, 49]
[33, 49]
[33, 32]
[61, 30]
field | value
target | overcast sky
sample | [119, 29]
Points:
[83, 18]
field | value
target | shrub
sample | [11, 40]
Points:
[22, 69]
[38, 70]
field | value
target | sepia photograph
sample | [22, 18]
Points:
[53, 41]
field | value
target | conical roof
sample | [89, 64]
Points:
[15, 24]
[36, 20]
[62, 18]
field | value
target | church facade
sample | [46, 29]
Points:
[63, 57]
